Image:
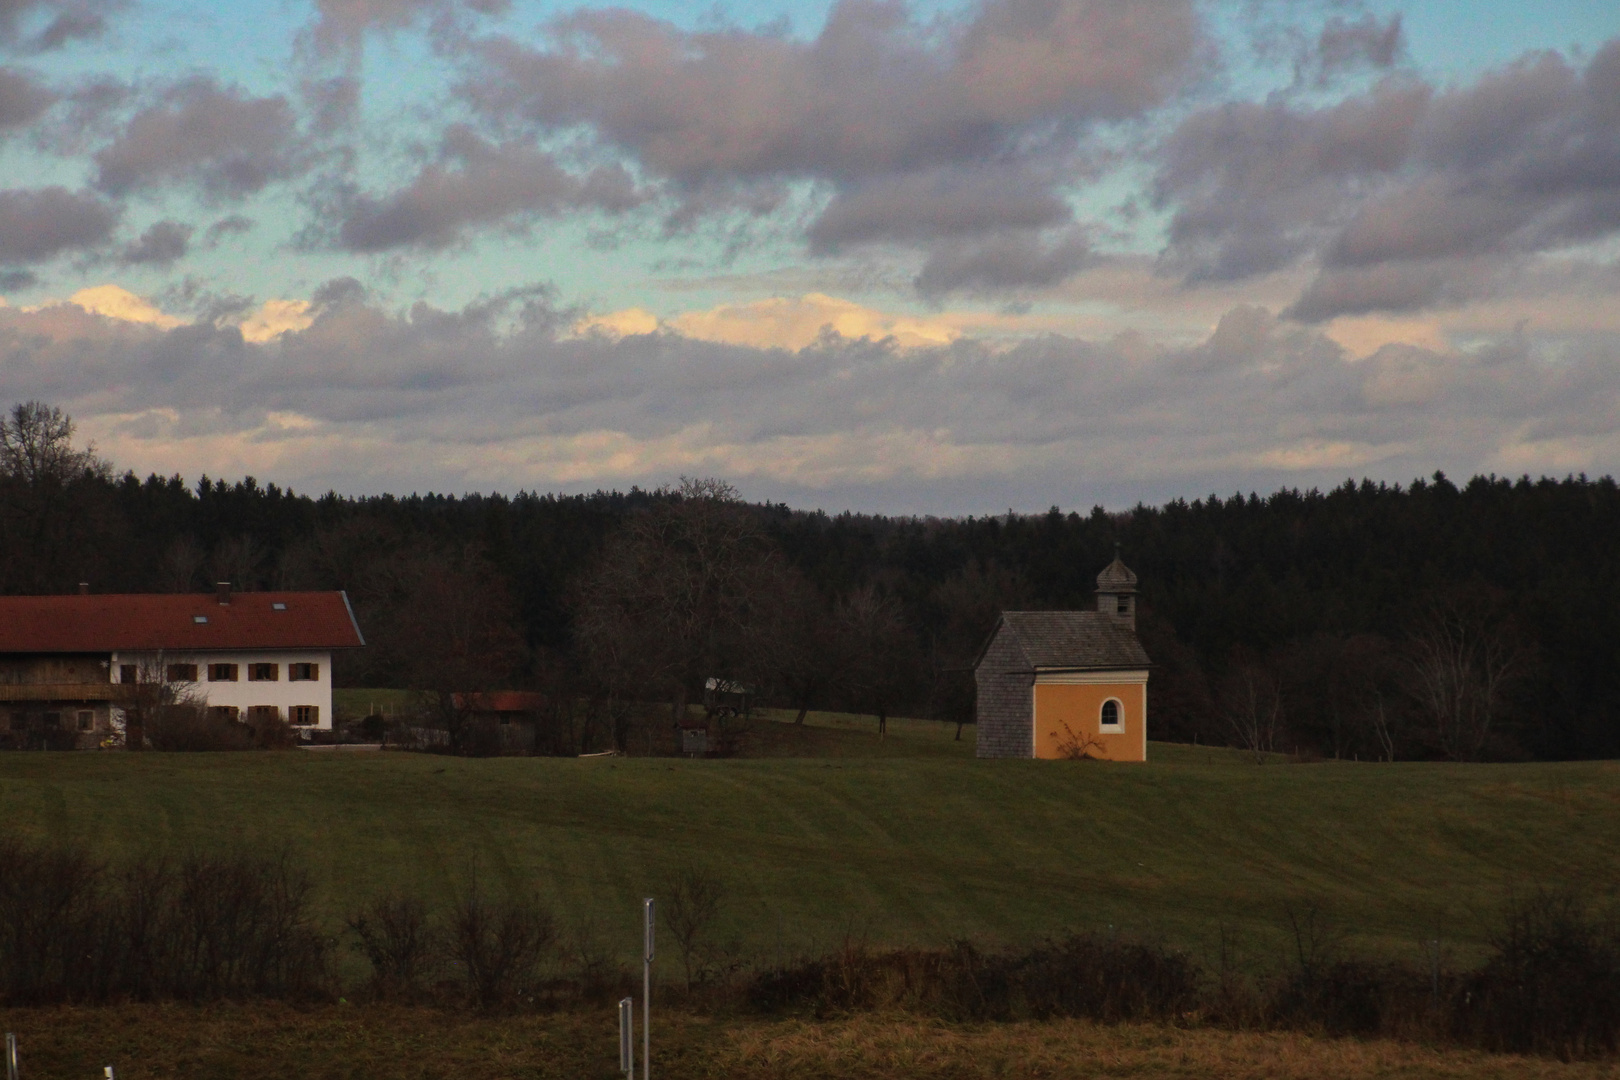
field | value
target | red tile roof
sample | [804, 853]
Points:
[177, 622]
[502, 701]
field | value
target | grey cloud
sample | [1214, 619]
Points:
[875, 93]
[229, 225]
[340, 24]
[159, 245]
[333, 103]
[65, 21]
[227, 143]
[15, 280]
[1344, 45]
[22, 99]
[491, 396]
[1255, 186]
[37, 223]
[941, 203]
[1398, 287]
[1416, 182]
[476, 182]
[338, 292]
[1008, 261]
[920, 132]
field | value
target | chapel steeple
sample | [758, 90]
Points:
[1116, 592]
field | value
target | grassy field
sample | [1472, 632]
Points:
[270, 1041]
[904, 840]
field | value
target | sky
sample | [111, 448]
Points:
[927, 258]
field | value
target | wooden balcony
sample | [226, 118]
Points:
[77, 691]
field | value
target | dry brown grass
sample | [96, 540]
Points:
[353, 1042]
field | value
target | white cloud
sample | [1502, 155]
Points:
[276, 317]
[117, 302]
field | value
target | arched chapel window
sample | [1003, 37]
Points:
[1111, 717]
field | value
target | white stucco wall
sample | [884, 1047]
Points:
[282, 693]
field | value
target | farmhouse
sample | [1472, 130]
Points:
[70, 666]
[1054, 684]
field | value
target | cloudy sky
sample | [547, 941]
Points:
[926, 257]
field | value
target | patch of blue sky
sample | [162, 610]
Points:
[1455, 41]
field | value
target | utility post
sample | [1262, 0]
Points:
[646, 992]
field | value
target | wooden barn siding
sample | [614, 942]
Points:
[1005, 704]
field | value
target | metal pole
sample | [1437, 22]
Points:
[646, 992]
[627, 1037]
[11, 1056]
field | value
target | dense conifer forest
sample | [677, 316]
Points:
[1424, 620]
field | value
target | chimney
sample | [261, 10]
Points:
[222, 589]
[84, 588]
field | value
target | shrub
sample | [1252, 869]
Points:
[1085, 975]
[51, 903]
[500, 946]
[396, 936]
[208, 927]
[186, 728]
[1552, 985]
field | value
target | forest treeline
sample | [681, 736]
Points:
[1377, 621]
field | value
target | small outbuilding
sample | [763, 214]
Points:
[1064, 684]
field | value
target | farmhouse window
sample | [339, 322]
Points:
[306, 715]
[87, 720]
[221, 672]
[182, 672]
[260, 714]
[223, 712]
[264, 672]
[128, 673]
[303, 672]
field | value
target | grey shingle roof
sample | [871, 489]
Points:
[1075, 639]
[1116, 576]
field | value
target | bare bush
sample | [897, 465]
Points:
[207, 927]
[399, 940]
[1551, 987]
[688, 909]
[193, 729]
[51, 899]
[244, 929]
[500, 946]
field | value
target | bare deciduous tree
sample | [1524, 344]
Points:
[1463, 656]
[690, 905]
[1251, 705]
[150, 697]
[691, 589]
[36, 447]
[182, 564]
[878, 652]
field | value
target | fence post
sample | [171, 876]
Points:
[11, 1056]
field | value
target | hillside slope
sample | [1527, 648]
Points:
[886, 849]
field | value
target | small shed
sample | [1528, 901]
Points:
[1066, 684]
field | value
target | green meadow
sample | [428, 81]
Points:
[831, 834]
